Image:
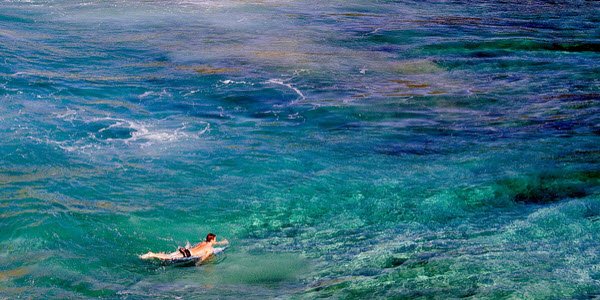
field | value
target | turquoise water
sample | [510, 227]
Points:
[346, 149]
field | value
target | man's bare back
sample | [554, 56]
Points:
[203, 250]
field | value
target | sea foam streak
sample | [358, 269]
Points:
[111, 130]
[290, 86]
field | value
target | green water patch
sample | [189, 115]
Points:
[417, 148]
[395, 37]
[520, 257]
[419, 280]
[569, 223]
[15, 19]
[77, 287]
[264, 269]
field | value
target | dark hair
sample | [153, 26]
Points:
[210, 237]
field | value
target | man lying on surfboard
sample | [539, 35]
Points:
[202, 250]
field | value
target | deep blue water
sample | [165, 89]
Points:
[346, 149]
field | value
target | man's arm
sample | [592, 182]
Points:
[205, 256]
[222, 243]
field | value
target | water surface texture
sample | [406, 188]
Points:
[347, 149]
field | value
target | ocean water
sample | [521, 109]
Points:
[346, 149]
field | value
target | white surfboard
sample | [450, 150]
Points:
[175, 258]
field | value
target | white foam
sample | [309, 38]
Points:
[141, 133]
[190, 93]
[229, 81]
[152, 93]
[145, 94]
[288, 85]
[148, 132]
[64, 144]
[68, 115]
[294, 116]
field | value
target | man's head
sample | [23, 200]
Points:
[210, 237]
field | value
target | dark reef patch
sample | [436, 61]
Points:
[393, 262]
[574, 97]
[581, 156]
[514, 45]
[550, 187]
[489, 54]
[564, 125]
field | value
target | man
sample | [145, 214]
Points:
[203, 250]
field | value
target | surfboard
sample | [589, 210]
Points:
[176, 260]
